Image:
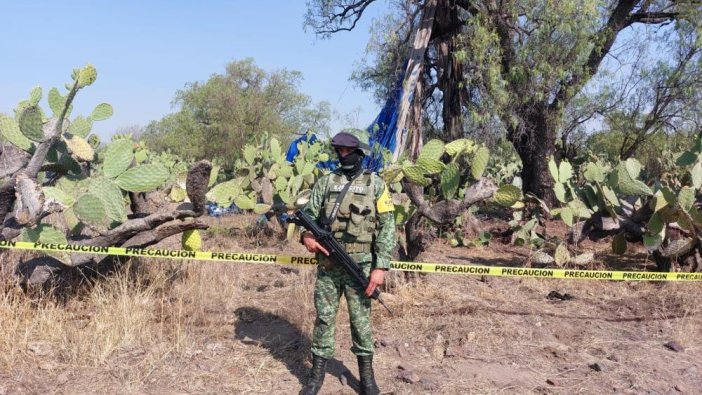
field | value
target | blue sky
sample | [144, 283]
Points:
[145, 51]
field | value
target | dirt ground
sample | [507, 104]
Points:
[218, 328]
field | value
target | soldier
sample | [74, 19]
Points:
[356, 206]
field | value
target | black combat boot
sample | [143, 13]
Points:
[314, 384]
[365, 370]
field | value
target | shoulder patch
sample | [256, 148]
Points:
[384, 204]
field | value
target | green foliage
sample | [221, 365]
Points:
[439, 165]
[541, 73]
[219, 116]
[263, 165]
[90, 182]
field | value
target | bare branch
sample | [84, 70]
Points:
[336, 17]
[448, 210]
[653, 17]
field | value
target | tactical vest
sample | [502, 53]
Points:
[356, 220]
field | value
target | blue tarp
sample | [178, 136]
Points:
[381, 133]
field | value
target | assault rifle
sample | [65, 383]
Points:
[336, 251]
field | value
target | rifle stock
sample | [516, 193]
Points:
[337, 253]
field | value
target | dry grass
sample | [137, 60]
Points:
[194, 327]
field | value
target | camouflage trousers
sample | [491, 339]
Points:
[330, 285]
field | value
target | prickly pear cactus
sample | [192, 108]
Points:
[265, 172]
[439, 165]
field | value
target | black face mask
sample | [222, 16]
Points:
[351, 163]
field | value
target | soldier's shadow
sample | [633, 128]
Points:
[285, 342]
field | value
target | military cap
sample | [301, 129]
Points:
[346, 139]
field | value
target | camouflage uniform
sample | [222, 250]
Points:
[365, 225]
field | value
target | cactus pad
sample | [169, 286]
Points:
[560, 192]
[118, 157]
[431, 166]
[80, 126]
[449, 181]
[261, 208]
[553, 169]
[30, 123]
[285, 170]
[307, 169]
[225, 192]
[415, 174]
[90, 209]
[250, 154]
[594, 172]
[696, 174]
[43, 233]
[433, 149]
[507, 195]
[191, 240]
[567, 216]
[59, 195]
[276, 152]
[686, 198]
[213, 175]
[295, 184]
[143, 178]
[111, 197]
[290, 233]
[389, 173]
[562, 255]
[79, 147]
[633, 167]
[11, 131]
[565, 171]
[35, 95]
[456, 147]
[56, 101]
[628, 185]
[177, 194]
[281, 184]
[87, 76]
[101, 112]
[479, 162]
[244, 202]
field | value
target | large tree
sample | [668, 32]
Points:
[217, 117]
[518, 67]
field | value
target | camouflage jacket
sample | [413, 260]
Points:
[384, 240]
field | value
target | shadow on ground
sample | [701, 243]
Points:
[285, 342]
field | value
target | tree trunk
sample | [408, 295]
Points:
[416, 120]
[534, 139]
[450, 72]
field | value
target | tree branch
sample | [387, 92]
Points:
[618, 20]
[336, 20]
[447, 210]
[652, 17]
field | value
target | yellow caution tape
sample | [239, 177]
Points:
[471, 270]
